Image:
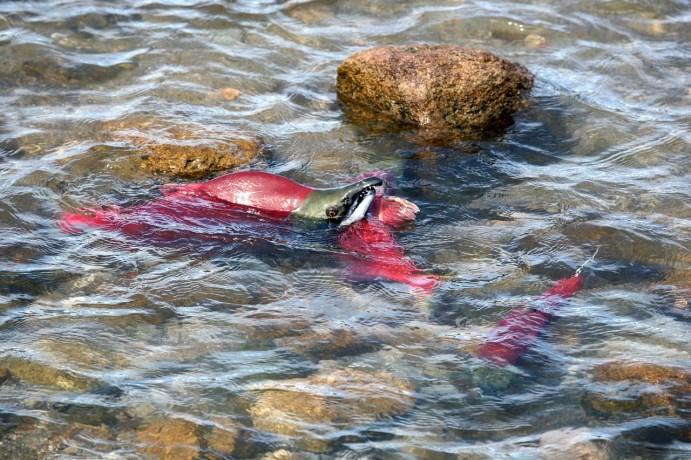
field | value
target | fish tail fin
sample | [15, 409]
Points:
[407, 274]
[72, 223]
[422, 282]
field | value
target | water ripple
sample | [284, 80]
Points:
[106, 339]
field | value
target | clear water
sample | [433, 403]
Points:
[104, 336]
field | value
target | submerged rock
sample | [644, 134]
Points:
[4, 375]
[639, 387]
[78, 354]
[29, 65]
[186, 150]
[535, 41]
[37, 373]
[312, 408]
[262, 326]
[199, 160]
[642, 372]
[24, 437]
[437, 88]
[678, 284]
[283, 454]
[229, 94]
[619, 241]
[168, 438]
[311, 13]
[221, 441]
[327, 343]
[570, 443]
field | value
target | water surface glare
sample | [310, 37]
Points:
[256, 344]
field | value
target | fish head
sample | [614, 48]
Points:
[341, 205]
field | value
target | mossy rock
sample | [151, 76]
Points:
[439, 89]
[186, 150]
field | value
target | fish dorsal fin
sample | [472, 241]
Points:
[180, 189]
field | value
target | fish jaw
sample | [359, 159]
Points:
[359, 208]
[347, 204]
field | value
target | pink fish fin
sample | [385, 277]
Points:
[423, 282]
[182, 189]
[393, 211]
[566, 287]
[368, 269]
[73, 223]
[376, 255]
[499, 353]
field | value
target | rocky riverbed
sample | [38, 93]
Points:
[527, 134]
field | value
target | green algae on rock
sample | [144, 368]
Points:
[436, 88]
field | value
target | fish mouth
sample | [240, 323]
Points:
[360, 203]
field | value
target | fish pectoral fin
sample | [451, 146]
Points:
[395, 211]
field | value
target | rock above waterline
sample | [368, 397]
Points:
[187, 150]
[434, 87]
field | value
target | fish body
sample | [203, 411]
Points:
[363, 214]
[170, 218]
[375, 254]
[521, 327]
[253, 192]
[263, 192]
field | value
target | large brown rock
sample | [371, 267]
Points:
[433, 87]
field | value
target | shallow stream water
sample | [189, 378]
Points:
[114, 348]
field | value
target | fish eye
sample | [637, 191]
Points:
[331, 212]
